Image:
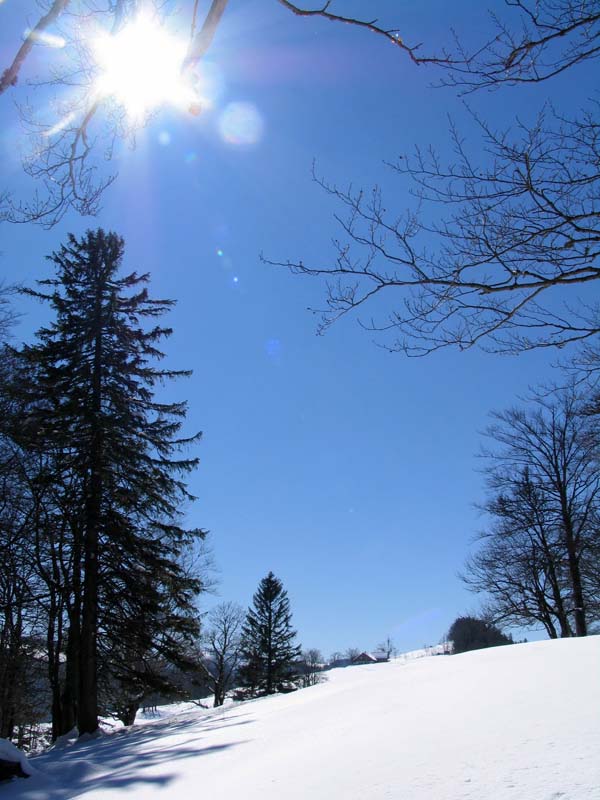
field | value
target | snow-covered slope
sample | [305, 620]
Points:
[519, 722]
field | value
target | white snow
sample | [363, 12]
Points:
[8, 752]
[520, 722]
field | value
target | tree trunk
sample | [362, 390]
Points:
[574, 570]
[53, 644]
[88, 679]
[579, 610]
[129, 712]
[70, 698]
[71, 691]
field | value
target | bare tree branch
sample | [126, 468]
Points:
[550, 37]
[392, 34]
[10, 75]
[203, 39]
[504, 233]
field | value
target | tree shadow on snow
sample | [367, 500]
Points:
[123, 759]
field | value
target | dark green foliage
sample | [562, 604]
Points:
[470, 633]
[109, 453]
[268, 651]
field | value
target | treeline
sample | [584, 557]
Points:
[537, 562]
[98, 580]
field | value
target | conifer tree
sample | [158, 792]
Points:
[268, 648]
[116, 448]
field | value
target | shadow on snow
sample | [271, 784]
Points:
[123, 759]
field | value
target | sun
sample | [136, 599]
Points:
[140, 67]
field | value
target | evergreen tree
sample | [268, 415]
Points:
[268, 648]
[115, 451]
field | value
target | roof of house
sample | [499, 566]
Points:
[364, 657]
[381, 655]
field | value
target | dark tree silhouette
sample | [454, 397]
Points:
[470, 633]
[535, 560]
[117, 448]
[519, 564]
[268, 649]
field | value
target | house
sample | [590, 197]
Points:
[381, 656]
[364, 658]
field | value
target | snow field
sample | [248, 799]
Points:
[519, 722]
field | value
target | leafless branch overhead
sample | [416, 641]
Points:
[509, 232]
[535, 41]
[392, 34]
[10, 75]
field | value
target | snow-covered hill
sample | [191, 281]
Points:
[519, 722]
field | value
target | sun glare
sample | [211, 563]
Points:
[140, 68]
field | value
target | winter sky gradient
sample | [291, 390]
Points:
[348, 471]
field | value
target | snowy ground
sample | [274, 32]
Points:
[519, 722]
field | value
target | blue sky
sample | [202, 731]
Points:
[348, 471]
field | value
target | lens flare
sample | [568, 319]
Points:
[241, 124]
[60, 125]
[273, 348]
[45, 38]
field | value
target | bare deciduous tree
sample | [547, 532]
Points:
[387, 647]
[352, 653]
[221, 647]
[545, 481]
[519, 564]
[311, 667]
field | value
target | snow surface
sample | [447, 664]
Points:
[8, 752]
[519, 722]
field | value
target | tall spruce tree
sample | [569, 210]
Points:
[117, 450]
[268, 649]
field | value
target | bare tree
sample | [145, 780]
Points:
[352, 653]
[519, 564]
[67, 159]
[221, 648]
[312, 666]
[544, 476]
[388, 647]
[26, 599]
[498, 244]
